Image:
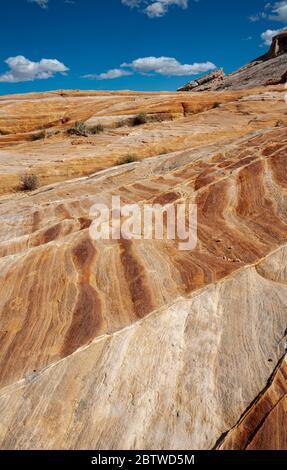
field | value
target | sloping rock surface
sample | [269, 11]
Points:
[34, 136]
[135, 344]
[204, 82]
[263, 427]
[270, 69]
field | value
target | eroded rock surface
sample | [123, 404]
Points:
[263, 427]
[269, 69]
[34, 138]
[205, 82]
[136, 344]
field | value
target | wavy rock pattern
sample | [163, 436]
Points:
[135, 344]
[172, 380]
[33, 127]
[263, 427]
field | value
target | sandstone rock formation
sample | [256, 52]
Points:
[263, 426]
[270, 69]
[205, 82]
[135, 344]
[33, 129]
[278, 47]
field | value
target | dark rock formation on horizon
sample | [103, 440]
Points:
[269, 69]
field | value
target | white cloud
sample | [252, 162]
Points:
[276, 11]
[279, 12]
[272, 11]
[41, 3]
[109, 75]
[155, 8]
[160, 8]
[268, 35]
[24, 70]
[258, 17]
[167, 66]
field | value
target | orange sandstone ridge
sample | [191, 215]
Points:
[135, 344]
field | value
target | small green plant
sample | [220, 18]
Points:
[98, 129]
[128, 159]
[79, 129]
[140, 119]
[29, 183]
[216, 105]
[39, 136]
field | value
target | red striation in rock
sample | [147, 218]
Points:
[135, 344]
[263, 426]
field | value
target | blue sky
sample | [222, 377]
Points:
[146, 44]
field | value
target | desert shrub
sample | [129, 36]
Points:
[98, 129]
[29, 183]
[143, 118]
[39, 136]
[128, 159]
[139, 120]
[216, 105]
[79, 129]
[160, 117]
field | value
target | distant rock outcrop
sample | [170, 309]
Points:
[211, 78]
[279, 46]
[269, 69]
